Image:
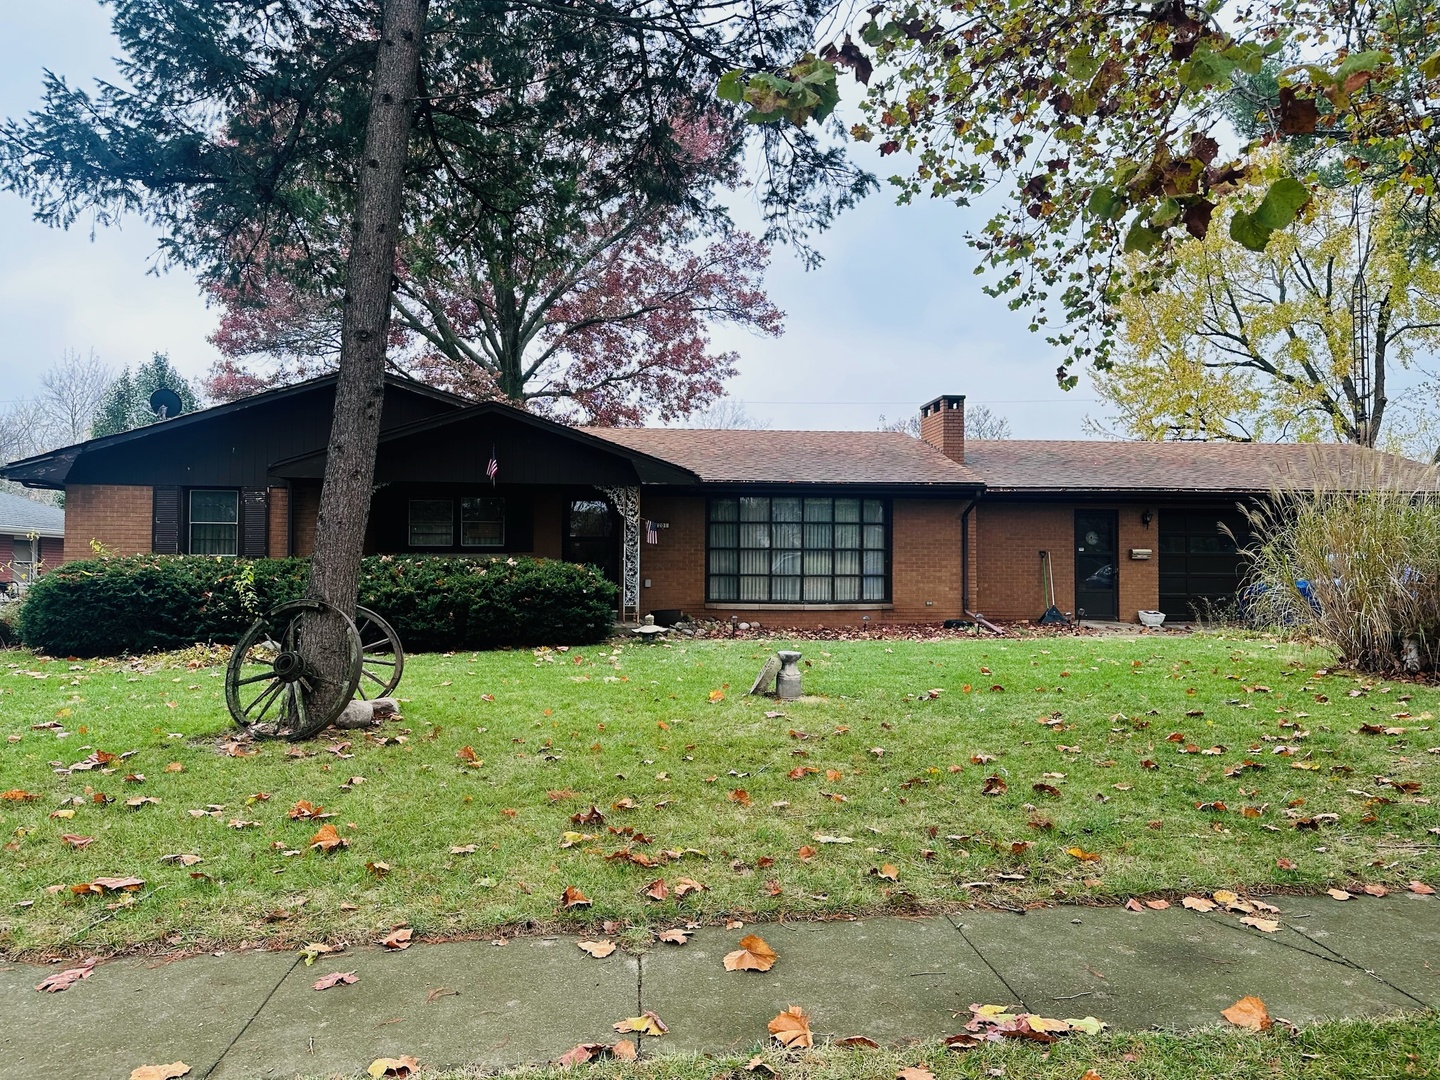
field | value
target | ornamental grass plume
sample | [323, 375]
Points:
[1353, 557]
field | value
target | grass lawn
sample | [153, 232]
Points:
[1115, 767]
[1345, 1050]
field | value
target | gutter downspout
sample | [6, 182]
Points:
[979, 620]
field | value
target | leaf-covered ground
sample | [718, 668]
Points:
[1377, 1050]
[1114, 767]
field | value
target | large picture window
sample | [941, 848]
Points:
[482, 523]
[794, 550]
[432, 523]
[214, 522]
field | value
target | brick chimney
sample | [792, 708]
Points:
[942, 425]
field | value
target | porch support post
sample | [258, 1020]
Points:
[627, 501]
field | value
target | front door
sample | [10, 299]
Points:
[592, 535]
[1097, 566]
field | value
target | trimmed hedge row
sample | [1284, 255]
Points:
[106, 607]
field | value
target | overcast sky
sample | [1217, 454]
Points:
[893, 317]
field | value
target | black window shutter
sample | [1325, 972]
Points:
[254, 523]
[165, 535]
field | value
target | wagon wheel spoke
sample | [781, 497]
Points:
[372, 675]
[268, 695]
[256, 678]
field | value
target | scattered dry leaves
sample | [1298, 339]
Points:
[753, 955]
[792, 1028]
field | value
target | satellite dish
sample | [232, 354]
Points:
[165, 403]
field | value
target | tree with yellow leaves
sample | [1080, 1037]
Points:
[1292, 343]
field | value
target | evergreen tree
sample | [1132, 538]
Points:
[126, 404]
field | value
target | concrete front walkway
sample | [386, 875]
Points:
[254, 1014]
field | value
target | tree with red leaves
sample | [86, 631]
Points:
[608, 324]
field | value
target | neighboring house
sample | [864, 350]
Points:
[792, 528]
[32, 538]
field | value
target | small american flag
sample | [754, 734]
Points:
[493, 469]
[652, 534]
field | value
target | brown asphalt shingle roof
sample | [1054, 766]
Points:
[795, 457]
[1058, 465]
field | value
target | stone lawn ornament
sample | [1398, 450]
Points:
[648, 631]
[780, 676]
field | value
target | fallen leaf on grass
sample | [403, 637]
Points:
[328, 839]
[753, 955]
[573, 898]
[160, 1072]
[915, 1072]
[379, 869]
[993, 785]
[858, 1042]
[791, 1028]
[1249, 1013]
[961, 1041]
[175, 766]
[888, 872]
[303, 810]
[676, 936]
[1375, 890]
[17, 795]
[1082, 854]
[398, 938]
[1198, 903]
[806, 853]
[758, 1064]
[656, 889]
[335, 978]
[63, 980]
[685, 885]
[76, 842]
[597, 949]
[1285, 864]
[1420, 888]
[740, 796]
[647, 1023]
[389, 1066]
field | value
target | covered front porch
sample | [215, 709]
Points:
[491, 481]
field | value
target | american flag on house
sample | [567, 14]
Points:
[652, 533]
[493, 469]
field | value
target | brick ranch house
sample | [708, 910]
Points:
[792, 528]
[32, 537]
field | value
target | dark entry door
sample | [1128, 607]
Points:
[1097, 565]
[592, 535]
[1201, 565]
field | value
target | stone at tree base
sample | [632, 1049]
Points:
[363, 714]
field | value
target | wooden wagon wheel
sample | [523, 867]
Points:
[384, 661]
[268, 681]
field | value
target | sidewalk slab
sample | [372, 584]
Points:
[1397, 937]
[1172, 969]
[529, 1001]
[890, 979]
[131, 1012]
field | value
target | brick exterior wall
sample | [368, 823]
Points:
[942, 425]
[306, 501]
[925, 567]
[119, 516]
[1006, 544]
[277, 540]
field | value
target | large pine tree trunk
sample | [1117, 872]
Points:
[359, 391]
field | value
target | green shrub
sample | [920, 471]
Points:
[105, 607]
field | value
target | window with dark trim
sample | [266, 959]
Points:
[432, 523]
[482, 523]
[797, 550]
[214, 521]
